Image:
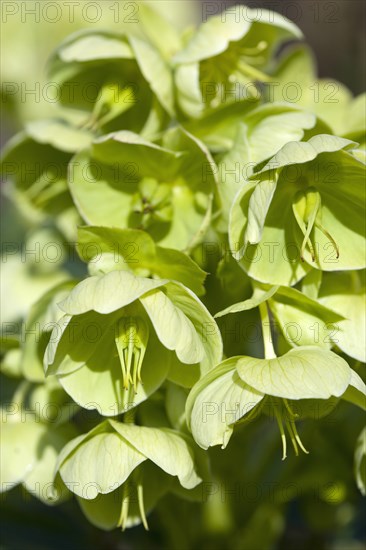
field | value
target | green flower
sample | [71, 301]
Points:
[119, 471]
[121, 79]
[318, 187]
[126, 181]
[225, 55]
[241, 387]
[115, 344]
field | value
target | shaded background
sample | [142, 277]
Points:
[334, 29]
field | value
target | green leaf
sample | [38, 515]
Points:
[216, 402]
[135, 250]
[259, 296]
[303, 373]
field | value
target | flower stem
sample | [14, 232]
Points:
[269, 352]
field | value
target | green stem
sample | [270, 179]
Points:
[269, 352]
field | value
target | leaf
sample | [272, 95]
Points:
[303, 373]
[216, 402]
[137, 250]
[259, 296]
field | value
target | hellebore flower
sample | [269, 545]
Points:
[121, 79]
[119, 471]
[125, 181]
[115, 344]
[225, 55]
[318, 187]
[240, 387]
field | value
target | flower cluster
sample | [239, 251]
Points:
[196, 201]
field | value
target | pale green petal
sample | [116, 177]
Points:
[303, 321]
[303, 373]
[41, 481]
[305, 151]
[216, 402]
[204, 323]
[94, 379]
[107, 293]
[91, 46]
[156, 71]
[173, 327]
[167, 448]
[345, 293]
[19, 449]
[59, 134]
[99, 464]
[259, 204]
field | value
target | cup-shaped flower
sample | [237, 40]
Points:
[119, 471]
[113, 77]
[226, 55]
[125, 181]
[239, 387]
[318, 186]
[115, 345]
